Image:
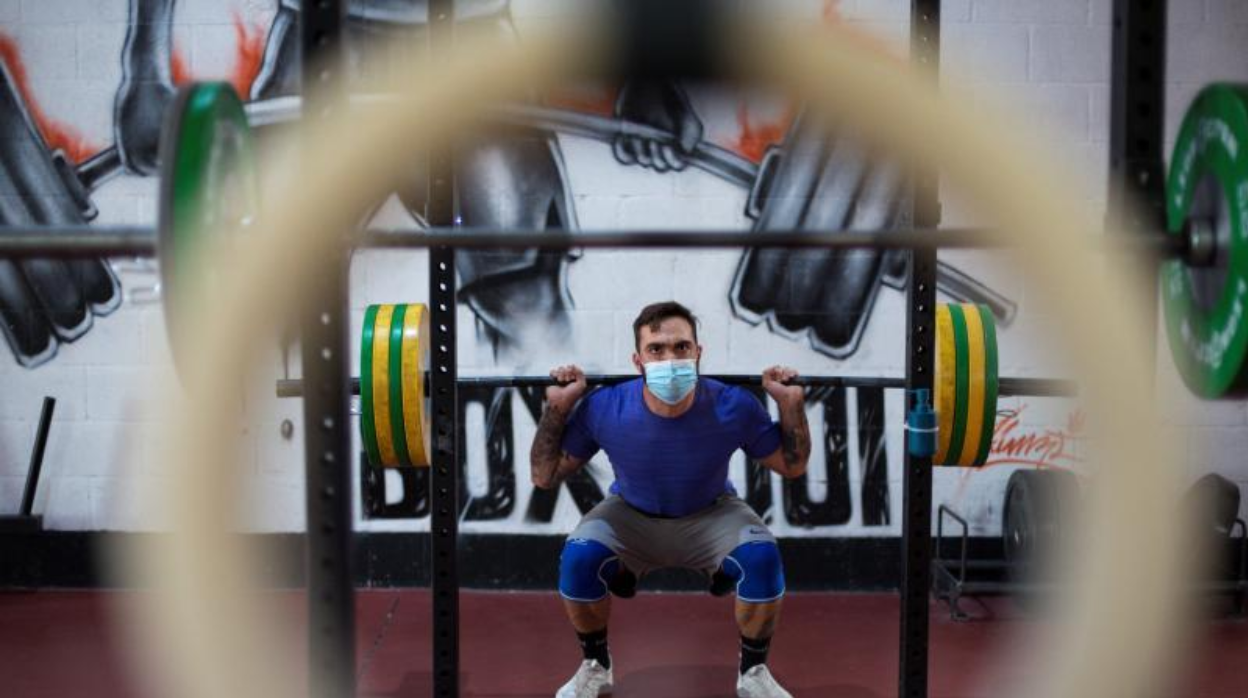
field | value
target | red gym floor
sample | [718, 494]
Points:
[66, 643]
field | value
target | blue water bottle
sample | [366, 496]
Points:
[921, 426]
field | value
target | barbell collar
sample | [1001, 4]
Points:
[1034, 387]
[1199, 243]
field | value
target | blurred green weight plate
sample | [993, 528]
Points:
[207, 187]
[1205, 306]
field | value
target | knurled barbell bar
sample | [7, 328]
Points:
[1034, 387]
[395, 402]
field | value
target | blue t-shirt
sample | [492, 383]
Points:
[671, 466]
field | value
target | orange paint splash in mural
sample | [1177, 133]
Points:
[56, 133]
[178, 67]
[248, 57]
[756, 136]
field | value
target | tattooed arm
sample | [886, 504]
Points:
[794, 453]
[550, 465]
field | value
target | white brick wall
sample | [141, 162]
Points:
[1069, 12]
[1048, 59]
[24, 392]
[985, 52]
[1063, 53]
[50, 52]
[69, 11]
[1226, 12]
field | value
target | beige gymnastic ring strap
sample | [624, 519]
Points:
[205, 626]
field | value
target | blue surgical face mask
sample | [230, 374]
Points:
[671, 381]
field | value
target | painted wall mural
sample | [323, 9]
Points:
[798, 506]
[44, 302]
[799, 174]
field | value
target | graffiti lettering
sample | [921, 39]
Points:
[1012, 445]
[498, 501]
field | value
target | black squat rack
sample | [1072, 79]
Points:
[329, 524]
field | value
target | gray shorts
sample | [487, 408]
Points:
[699, 541]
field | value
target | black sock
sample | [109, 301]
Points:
[594, 646]
[753, 652]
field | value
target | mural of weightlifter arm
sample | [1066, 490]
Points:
[146, 85]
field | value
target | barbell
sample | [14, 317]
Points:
[395, 402]
[208, 177]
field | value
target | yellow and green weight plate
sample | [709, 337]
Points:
[1205, 306]
[394, 400]
[966, 383]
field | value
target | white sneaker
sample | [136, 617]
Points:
[590, 681]
[757, 682]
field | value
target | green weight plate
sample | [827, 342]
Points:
[416, 398]
[962, 383]
[207, 184]
[395, 368]
[368, 425]
[1205, 307]
[991, 382]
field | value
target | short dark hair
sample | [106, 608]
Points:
[654, 314]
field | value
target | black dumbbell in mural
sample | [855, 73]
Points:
[814, 182]
[44, 302]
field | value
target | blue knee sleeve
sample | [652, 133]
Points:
[584, 568]
[757, 570]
